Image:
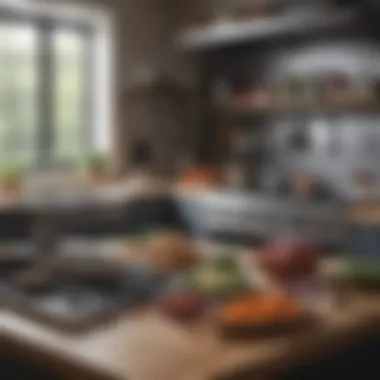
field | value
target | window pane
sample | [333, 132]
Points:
[69, 48]
[18, 92]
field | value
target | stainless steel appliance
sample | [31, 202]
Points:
[247, 216]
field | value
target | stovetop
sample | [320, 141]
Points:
[73, 299]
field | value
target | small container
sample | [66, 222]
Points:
[363, 231]
[221, 92]
[236, 176]
[363, 241]
[290, 93]
[336, 89]
[363, 92]
[376, 90]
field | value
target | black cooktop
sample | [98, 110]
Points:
[75, 295]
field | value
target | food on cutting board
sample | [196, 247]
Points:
[184, 305]
[171, 251]
[360, 274]
[221, 277]
[257, 312]
[289, 259]
[201, 177]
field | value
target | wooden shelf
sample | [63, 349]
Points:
[235, 32]
[373, 108]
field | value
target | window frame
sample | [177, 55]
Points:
[45, 24]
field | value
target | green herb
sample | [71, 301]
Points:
[97, 162]
[215, 279]
[11, 174]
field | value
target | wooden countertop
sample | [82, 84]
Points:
[146, 345]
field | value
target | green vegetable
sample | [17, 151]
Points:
[225, 261]
[362, 273]
[214, 278]
[97, 162]
[11, 174]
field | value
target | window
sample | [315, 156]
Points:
[18, 92]
[49, 89]
[70, 94]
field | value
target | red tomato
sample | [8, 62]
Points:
[290, 258]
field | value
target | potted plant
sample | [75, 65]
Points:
[10, 178]
[97, 166]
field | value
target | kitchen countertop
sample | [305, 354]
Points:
[146, 345]
[150, 188]
[138, 188]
